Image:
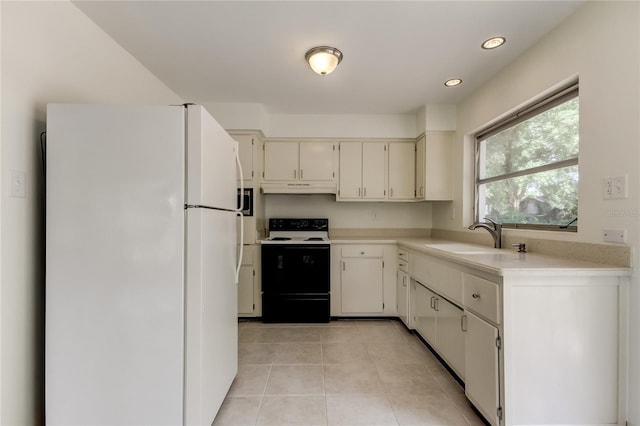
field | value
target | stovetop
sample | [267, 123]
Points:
[297, 238]
[298, 231]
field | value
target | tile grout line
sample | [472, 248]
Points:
[264, 390]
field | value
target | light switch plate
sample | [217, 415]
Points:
[615, 235]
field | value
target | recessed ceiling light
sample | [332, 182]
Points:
[453, 82]
[493, 42]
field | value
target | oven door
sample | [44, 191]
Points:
[295, 269]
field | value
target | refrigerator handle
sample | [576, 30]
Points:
[241, 207]
[240, 243]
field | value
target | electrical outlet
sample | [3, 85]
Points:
[615, 187]
[615, 235]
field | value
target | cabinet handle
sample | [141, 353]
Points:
[391, 192]
[475, 296]
[359, 190]
[295, 173]
[344, 266]
[435, 304]
[301, 174]
[422, 191]
[364, 192]
[463, 323]
[404, 281]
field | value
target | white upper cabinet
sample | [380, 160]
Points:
[401, 170]
[363, 168]
[350, 187]
[316, 160]
[247, 146]
[299, 161]
[402, 175]
[433, 166]
[374, 170]
[280, 160]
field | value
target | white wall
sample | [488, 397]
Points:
[51, 52]
[252, 116]
[238, 115]
[432, 117]
[344, 126]
[600, 43]
[350, 214]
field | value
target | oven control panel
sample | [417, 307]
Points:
[276, 224]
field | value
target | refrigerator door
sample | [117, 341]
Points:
[114, 265]
[211, 342]
[211, 162]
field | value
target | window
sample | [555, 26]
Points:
[527, 166]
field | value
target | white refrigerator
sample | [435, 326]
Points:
[141, 265]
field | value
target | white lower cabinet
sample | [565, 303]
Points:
[363, 280]
[362, 285]
[541, 347]
[402, 296]
[246, 303]
[439, 322]
[424, 317]
[450, 336]
[482, 366]
[248, 294]
[402, 288]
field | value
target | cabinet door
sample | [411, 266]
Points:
[420, 168]
[402, 296]
[246, 303]
[362, 285]
[350, 185]
[482, 385]
[425, 320]
[402, 163]
[246, 145]
[438, 166]
[374, 170]
[280, 160]
[316, 161]
[450, 337]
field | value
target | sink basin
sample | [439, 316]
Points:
[461, 248]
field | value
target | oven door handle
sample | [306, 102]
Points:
[240, 243]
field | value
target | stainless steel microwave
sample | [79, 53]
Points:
[247, 200]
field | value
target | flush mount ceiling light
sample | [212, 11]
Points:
[493, 42]
[323, 59]
[453, 82]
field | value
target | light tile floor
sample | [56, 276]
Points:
[346, 372]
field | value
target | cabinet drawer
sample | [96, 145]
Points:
[440, 276]
[362, 251]
[403, 255]
[482, 297]
[403, 266]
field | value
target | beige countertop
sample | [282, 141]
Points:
[502, 262]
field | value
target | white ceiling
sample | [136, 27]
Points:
[397, 54]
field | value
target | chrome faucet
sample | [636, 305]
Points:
[494, 228]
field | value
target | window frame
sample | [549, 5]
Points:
[535, 108]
